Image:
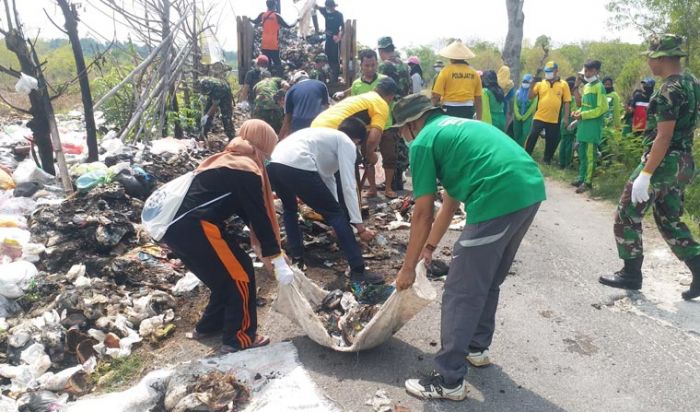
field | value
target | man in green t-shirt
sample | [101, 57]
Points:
[502, 188]
[667, 168]
[589, 129]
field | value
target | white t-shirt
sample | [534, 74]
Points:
[325, 151]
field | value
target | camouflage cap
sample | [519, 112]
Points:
[321, 57]
[665, 45]
[411, 108]
[385, 42]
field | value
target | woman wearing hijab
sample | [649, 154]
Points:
[233, 182]
[496, 99]
[416, 74]
[523, 111]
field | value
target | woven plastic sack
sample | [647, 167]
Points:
[298, 301]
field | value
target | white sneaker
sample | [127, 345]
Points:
[432, 387]
[479, 359]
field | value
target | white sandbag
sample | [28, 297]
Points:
[298, 301]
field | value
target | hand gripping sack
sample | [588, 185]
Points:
[162, 205]
[299, 300]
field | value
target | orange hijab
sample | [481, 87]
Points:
[247, 152]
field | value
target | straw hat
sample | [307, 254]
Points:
[457, 51]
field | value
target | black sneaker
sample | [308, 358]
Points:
[576, 183]
[434, 387]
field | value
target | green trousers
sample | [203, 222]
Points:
[566, 150]
[587, 156]
[521, 130]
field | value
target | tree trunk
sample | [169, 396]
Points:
[164, 68]
[514, 39]
[39, 124]
[71, 25]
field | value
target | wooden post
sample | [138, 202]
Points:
[246, 46]
[348, 51]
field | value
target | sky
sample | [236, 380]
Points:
[410, 23]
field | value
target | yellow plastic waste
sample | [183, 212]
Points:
[6, 182]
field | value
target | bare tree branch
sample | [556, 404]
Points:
[19, 109]
[54, 23]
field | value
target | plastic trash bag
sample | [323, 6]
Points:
[16, 278]
[161, 206]
[82, 168]
[6, 181]
[187, 283]
[27, 171]
[172, 145]
[26, 84]
[299, 300]
[90, 180]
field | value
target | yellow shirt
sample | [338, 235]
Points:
[370, 107]
[457, 83]
[551, 97]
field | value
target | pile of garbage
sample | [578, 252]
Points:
[345, 314]
[296, 52]
[80, 281]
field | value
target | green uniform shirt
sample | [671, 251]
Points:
[323, 75]
[265, 93]
[359, 86]
[216, 89]
[477, 164]
[594, 106]
[495, 108]
[677, 99]
[397, 70]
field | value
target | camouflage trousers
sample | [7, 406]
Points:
[666, 195]
[226, 111]
[273, 117]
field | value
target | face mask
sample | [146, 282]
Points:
[549, 75]
[609, 89]
[437, 69]
[590, 79]
[526, 85]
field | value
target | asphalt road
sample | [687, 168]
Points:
[563, 341]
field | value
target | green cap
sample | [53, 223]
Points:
[321, 57]
[385, 42]
[665, 45]
[411, 108]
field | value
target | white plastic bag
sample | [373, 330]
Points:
[26, 84]
[298, 301]
[162, 205]
[27, 171]
[15, 278]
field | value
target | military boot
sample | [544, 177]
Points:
[694, 291]
[630, 277]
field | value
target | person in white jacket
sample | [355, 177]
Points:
[317, 165]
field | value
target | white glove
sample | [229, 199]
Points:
[283, 272]
[338, 96]
[204, 120]
[640, 188]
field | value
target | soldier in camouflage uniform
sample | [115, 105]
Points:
[269, 101]
[392, 147]
[667, 168]
[321, 70]
[219, 97]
